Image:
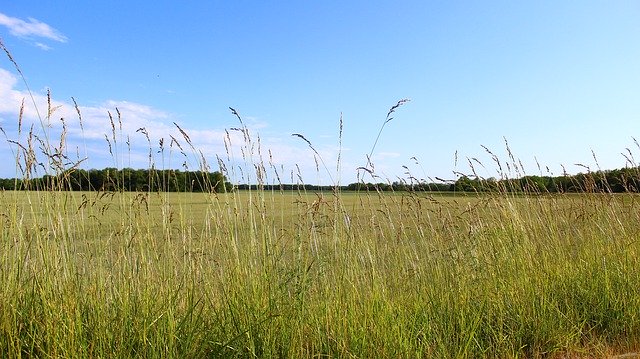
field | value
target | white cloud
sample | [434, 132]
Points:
[131, 148]
[42, 46]
[276, 151]
[30, 29]
[254, 122]
[7, 82]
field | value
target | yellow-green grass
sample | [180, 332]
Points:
[294, 274]
[300, 274]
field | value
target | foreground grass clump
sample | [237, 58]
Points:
[267, 274]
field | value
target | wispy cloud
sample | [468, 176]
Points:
[31, 28]
[95, 137]
[42, 46]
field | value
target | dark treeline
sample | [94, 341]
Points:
[384, 187]
[612, 181]
[128, 179]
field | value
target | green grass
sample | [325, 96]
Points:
[297, 274]
[285, 275]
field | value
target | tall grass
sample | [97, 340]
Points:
[296, 274]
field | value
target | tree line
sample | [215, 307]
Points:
[610, 181]
[128, 179]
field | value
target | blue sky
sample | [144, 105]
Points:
[558, 79]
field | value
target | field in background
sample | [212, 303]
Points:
[318, 274]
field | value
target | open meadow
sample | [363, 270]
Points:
[415, 179]
[159, 263]
[306, 274]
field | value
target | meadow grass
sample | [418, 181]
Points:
[285, 275]
[116, 274]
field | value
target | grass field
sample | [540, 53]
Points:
[270, 274]
[301, 274]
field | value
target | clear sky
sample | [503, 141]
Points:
[558, 79]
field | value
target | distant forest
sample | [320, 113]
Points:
[128, 179]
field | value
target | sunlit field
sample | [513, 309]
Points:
[295, 274]
[117, 273]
